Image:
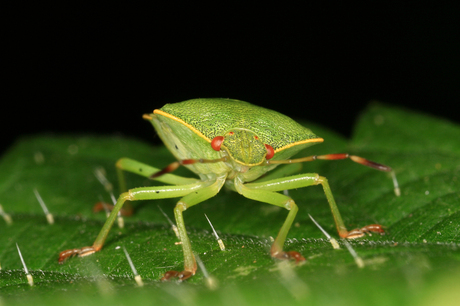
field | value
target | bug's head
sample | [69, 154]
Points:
[243, 146]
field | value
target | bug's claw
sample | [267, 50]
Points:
[374, 228]
[180, 275]
[85, 251]
[353, 234]
[296, 256]
[64, 255]
[100, 206]
[289, 255]
[368, 229]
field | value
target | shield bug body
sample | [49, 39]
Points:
[232, 143]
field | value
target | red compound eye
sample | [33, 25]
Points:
[270, 151]
[256, 138]
[217, 142]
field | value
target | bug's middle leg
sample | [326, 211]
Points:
[129, 165]
[343, 232]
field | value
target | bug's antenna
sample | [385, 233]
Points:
[173, 166]
[356, 159]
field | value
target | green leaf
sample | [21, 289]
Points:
[417, 261]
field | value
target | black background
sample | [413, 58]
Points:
[97, 68]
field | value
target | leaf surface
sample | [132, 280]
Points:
[415, 262]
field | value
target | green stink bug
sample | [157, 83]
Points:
[232, 143]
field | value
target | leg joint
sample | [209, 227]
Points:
[181, 206]
[119, 162]
[127, 196]
[321, 180]
[290, 204]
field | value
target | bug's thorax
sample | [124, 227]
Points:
[228, 137]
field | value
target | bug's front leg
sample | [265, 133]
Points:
[135, 194]
[184, 203]
[266, 192]
[274, 198]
